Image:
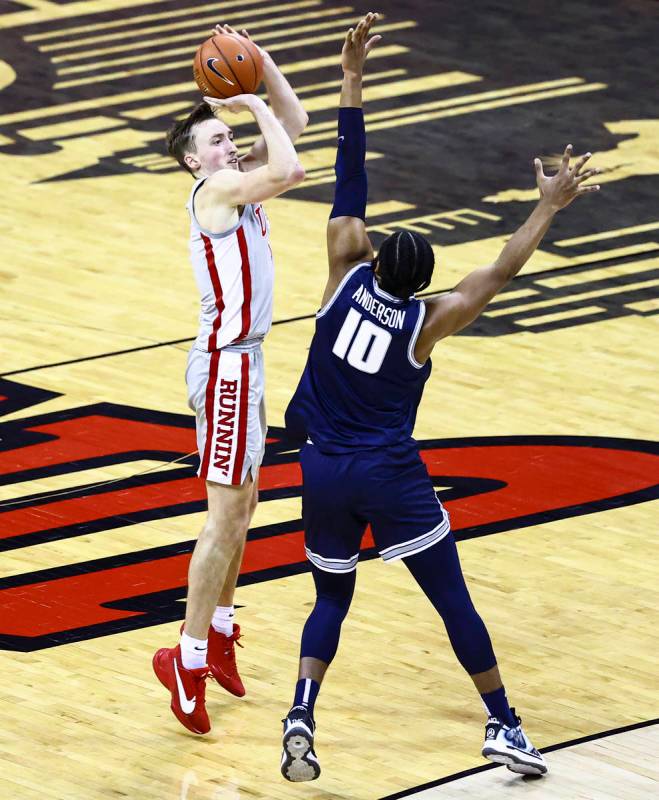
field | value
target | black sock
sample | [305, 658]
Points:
[497, 706]
[306, 692]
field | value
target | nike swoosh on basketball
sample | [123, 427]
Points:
[210, 63]
[187, 706]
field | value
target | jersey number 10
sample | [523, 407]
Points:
[366, 350]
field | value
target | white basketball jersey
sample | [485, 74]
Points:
[234, 271]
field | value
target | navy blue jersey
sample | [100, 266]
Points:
[361, 386]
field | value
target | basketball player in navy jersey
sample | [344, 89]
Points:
[357, 402]
[233, 267]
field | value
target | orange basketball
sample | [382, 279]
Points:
[226, 65]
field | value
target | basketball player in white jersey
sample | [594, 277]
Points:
[233, 267]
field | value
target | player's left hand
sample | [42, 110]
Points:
[559, 190]
[235, 104]
[233, 32]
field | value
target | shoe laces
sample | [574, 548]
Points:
[231, 640]
[299, 714]
[200, 684]
[516, 737]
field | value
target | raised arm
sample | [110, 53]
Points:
[281, 171]
[454, 310]
[347, 240]
[285, 104]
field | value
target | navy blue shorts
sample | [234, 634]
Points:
[388, 488]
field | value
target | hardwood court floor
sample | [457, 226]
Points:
[538, 424]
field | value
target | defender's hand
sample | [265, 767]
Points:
[357, 46]
[234, 105]
[559, 190]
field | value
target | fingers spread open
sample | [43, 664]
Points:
[538, 168]
[587, 174]
[588, 189]
[372, 42]
[580, 162]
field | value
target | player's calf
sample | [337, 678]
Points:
[512, 747]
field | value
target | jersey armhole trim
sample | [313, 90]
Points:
[205, 231]
[415, 336]
[322, 311]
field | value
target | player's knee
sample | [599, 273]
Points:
[338, 605]
[335, 590]
[336, 598]
[225, 532]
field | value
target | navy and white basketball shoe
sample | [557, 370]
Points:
[512, 747]
[298, 760]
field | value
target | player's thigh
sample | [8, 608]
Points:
[225, 389]
[332, 530]
[405, 514]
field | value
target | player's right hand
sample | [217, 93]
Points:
[357, 46]
[559, 190]
[220, 28]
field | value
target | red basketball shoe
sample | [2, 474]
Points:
[187, 686]
[222, 660]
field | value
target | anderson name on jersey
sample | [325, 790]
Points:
[361, 386]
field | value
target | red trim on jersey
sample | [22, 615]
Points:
[242, 421]
[210, 415]
[217, 291]
[247, 285]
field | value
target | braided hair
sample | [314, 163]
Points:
[405, 263]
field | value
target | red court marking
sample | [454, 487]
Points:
[540, 478]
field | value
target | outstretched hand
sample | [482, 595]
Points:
[357, 45]
[559, 190]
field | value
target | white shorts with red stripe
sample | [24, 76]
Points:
[226, 392]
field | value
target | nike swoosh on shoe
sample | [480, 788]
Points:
[187, 706]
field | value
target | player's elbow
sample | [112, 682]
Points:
[287, 176]
[303, 120]
[505, 270]
[297, 174]
[290, 176]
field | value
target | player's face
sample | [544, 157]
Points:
[215, 147]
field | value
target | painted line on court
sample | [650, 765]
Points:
[552, 748]
[172, 342]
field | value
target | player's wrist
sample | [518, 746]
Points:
[268, 61]
[256, 104]
[547, 207]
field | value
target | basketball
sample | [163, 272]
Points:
[227, 65]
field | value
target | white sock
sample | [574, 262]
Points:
[222, 621]
[193, 651]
